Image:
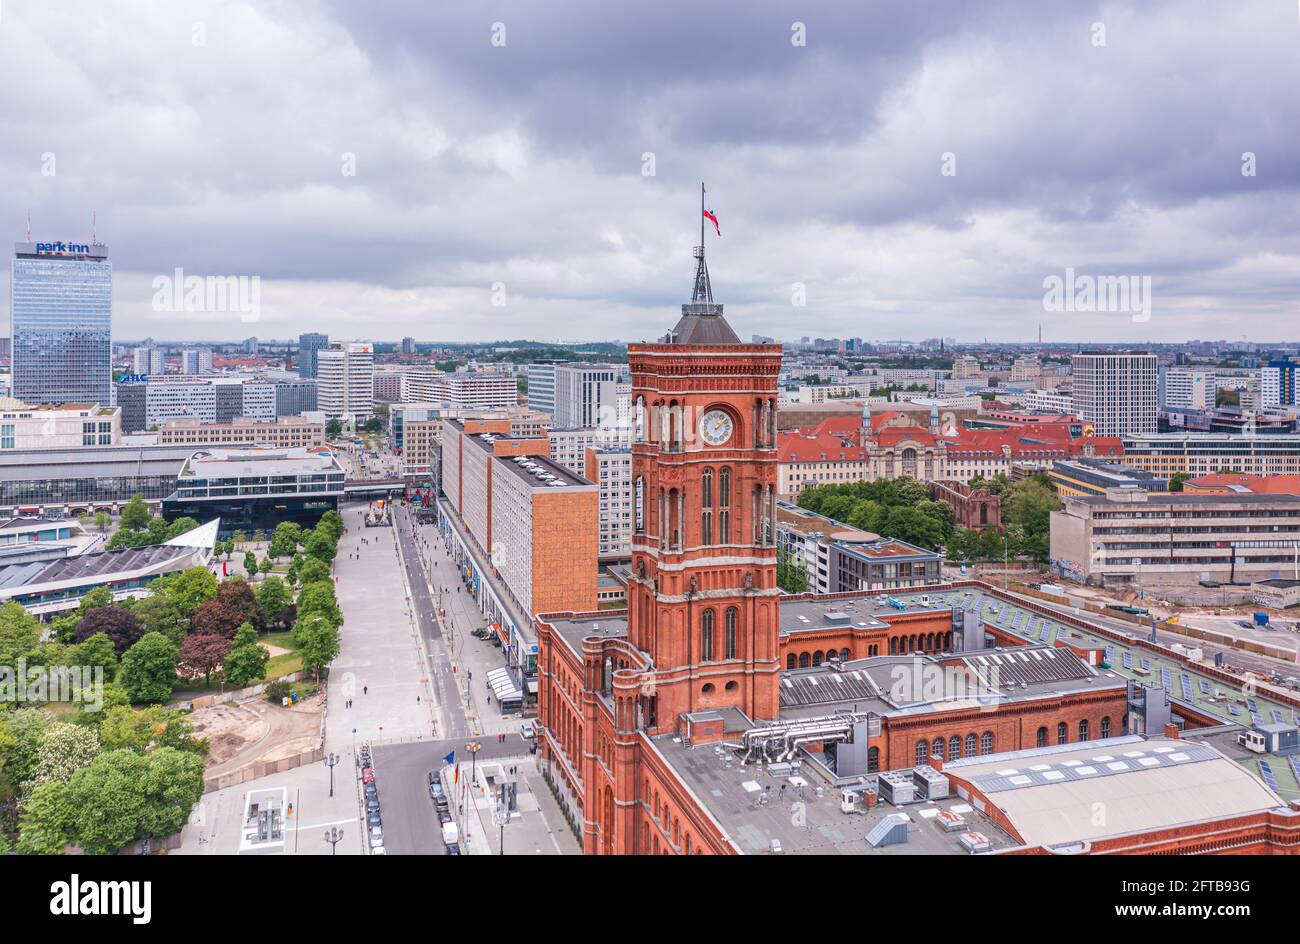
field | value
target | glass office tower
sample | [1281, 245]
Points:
[61, 300]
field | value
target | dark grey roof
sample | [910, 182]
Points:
[92, 462]
[700, 327]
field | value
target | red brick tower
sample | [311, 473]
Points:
[702, 602]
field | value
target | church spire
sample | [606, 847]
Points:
[702, 321]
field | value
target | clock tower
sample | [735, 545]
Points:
[703, 599]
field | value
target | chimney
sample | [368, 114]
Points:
[1171, 731]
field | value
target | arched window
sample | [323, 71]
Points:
[706, 636]
[639, 511]
[706, 507]
[803, 660]
[724, 506]
[986, 741]
[922, 753]
[1105, 726]
[791, 661]
[936, 749]
[1083, 730]
[817, 657]
[954, 747]
[845, 655]
[729, 633]
[1041, 739]
[970, 745]
[1062, 733]
[873, 760]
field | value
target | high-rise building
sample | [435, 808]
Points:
[1194, 388]
[586, 395]
[309, 345]
[345, 384]
[61, 304]
[1277, 384]
[408, 345]
[148, 360]
[294, 397]
[1117, 393]
[250, 346]
[196, 361]
[541, 388]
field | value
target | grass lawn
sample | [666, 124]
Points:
[286, 663]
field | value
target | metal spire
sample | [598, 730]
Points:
[703, 294]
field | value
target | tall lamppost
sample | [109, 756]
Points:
[331, 760]
[334, 836]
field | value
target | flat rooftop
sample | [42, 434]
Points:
[541, 472]
[251, 461]
[754, 807]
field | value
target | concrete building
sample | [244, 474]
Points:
[1130, 537]
[523, 529]
[196, 361]
[611, 469]
[1278, 384]
[255, 488]
[147, 361]
[61, 321]
[1116, 394]
[67, 482]
[1196, 454]
[49, 587]
[541, 388]
[586, 396]
[57, 426]
[569, 446]
[294, 397]
[388, 385]
[1094, 477]
[290, 432]
[345, 383]
[1194, 388]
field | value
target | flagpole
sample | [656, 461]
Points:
[701, 218]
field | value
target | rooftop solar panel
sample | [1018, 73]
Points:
[1278, 717]
[1266, 771]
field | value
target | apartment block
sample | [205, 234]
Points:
[611, 469]
[287, 431]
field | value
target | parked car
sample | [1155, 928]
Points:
[528, 730]
[377, 850]
[376, 836]
[453, 849]
[444, 816]
[373, 819]
[434, 777]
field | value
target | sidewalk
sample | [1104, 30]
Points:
[472, 658]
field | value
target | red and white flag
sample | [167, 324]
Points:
[711, 216]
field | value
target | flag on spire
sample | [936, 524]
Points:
[709, 215]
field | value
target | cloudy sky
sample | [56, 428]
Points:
[492, 169]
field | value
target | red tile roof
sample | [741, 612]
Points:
[1240, 482]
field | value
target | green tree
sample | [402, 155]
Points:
[148, 670]
[250, 563]
[321, 546]
[98, 650]
[1176, 481]
[180, 526]
[102, 519]
[791, 575]
[23, 728]
[142, 729]
[48, 819]
[284, 541]
[160, 614]
[333, 429]
[247, 660]
[312, 570]
[188, 589]
[1027, 514]
[274, 597]
[19, 633]
[265, 566]
[135, 514]
[317, 599]
[318, 641]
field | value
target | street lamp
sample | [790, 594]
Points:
[331, 760]
[473, 747]
[334, 835]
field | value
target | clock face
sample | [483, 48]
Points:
[716, 427]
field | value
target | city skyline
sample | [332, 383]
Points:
[905, 175]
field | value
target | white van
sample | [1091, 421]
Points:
[450, 834]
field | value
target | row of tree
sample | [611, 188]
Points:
[902, 509]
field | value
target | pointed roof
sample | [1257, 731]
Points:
[702, 321]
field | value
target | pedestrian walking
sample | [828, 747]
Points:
[365, 689]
